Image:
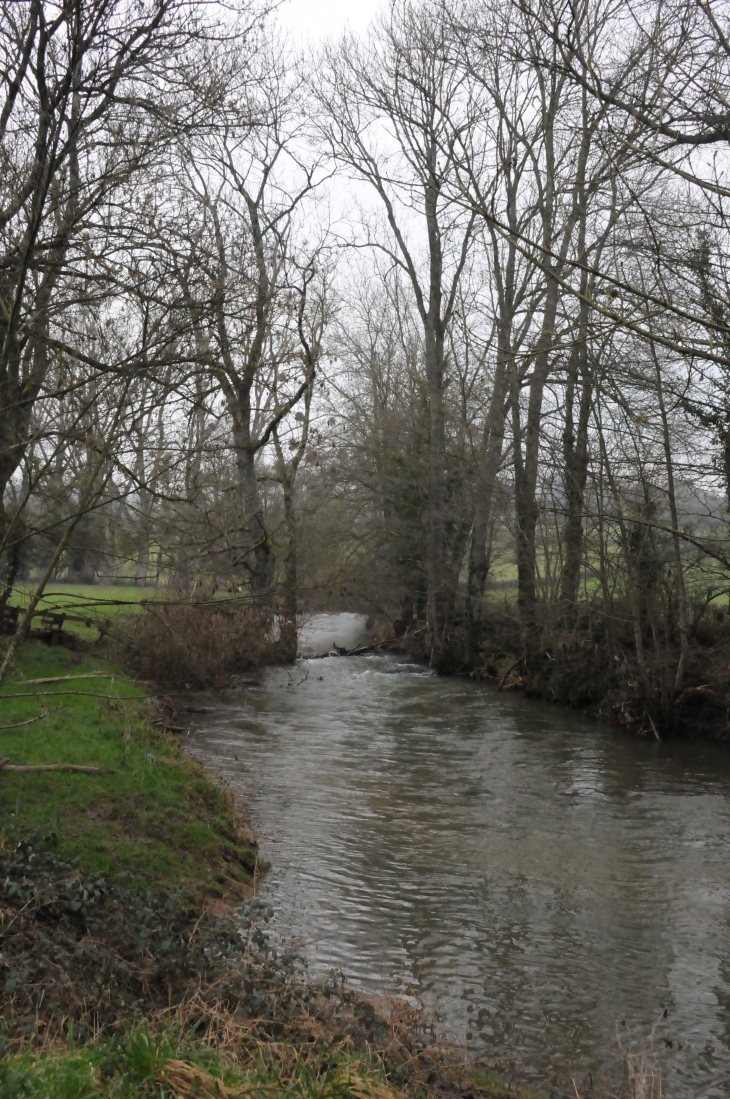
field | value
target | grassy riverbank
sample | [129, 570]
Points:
[149, 810]
[151, 1064]
[120, 973]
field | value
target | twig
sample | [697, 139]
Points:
[19, 724]
[379, 644]
[18, 914]
[367, 648]
[170, 728]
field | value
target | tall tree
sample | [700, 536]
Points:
[389, 108]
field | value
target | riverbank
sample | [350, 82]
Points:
[146, 808]
[122, 973]
[594, 670]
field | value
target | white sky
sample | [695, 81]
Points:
[315, 20]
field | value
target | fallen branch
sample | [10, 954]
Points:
[26, 768]
[64, 678]
[19, 724]
[379, 644]
[366, 648]
[57, 694]
[654, 728]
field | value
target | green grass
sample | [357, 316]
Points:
[84, 603]
[143, 1064]
[61, 593]
[134, 1066]
[153, 812]
[148, 1065]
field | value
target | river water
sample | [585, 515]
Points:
[543, 883]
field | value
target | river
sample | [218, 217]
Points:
[543, 883]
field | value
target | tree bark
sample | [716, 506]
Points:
[489, 465]
[575, 463]
[526, 468]
[683, 615]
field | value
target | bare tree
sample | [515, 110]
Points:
[388, 116]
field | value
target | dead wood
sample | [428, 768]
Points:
[39, 717]
[511, 668]
[27, 768]
[64, 678]
[703, 689]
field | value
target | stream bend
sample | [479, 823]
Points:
[545, 883]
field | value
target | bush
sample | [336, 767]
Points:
[196, 645]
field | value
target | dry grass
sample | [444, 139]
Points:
[641, 1074]
[327, 1047]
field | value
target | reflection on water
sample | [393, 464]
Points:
[541, 879]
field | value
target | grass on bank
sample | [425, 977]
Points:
[144, 1064]
[152, 811]
[169, 1065]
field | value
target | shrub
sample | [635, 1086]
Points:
[195, 645]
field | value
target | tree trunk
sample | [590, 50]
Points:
[676, 547]
[434, 355]
[436, 496]
[632, 585]
[575, 467]
[288, 636]
[489, 464]
[254, 552]
[11, 573]
[107, 572]
[526, 468]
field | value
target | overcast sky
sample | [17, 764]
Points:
[318, 19]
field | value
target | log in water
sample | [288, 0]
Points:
[544, 882]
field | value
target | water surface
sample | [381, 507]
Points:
[541, 881]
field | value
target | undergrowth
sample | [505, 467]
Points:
[83, 949]
[109, 992]
[196, 646]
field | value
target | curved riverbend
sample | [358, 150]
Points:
[542, 880]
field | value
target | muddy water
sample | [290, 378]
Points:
[542, 882]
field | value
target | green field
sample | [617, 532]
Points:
[90, 608]
[87, 606]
